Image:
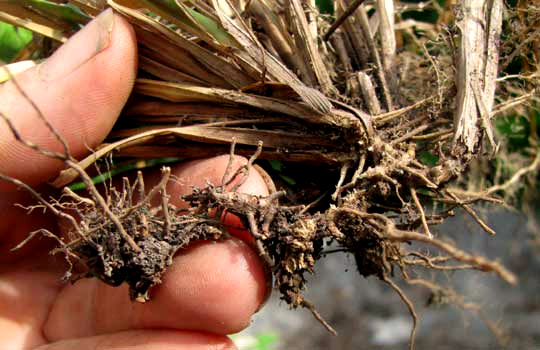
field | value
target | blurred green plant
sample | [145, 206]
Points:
[518, 134]
[428, 158]
[67, 12]
[262, 341]
[325, 6]
[116, 169]
[12, 41]
[519, 131]
[281, 170]
[265, 341]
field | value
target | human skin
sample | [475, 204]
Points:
[212, 288]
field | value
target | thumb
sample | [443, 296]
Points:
[80, 89]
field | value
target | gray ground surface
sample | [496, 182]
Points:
[368, 315]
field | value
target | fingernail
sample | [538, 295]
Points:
[81, 47]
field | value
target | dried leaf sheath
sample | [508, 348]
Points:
[480, 26]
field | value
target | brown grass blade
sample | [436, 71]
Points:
[172, 11]
[307, 48]
[91, 7]
[198, 150]
[165, 71]
[200, 133]
[278, 35]
[358, 49]
[33, 22]
[255, 53]
[163, 108]
[175, 92]
[173, 48]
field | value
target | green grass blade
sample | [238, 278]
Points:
[12, 41]
[213, 28]
[65, 12]
[194, 19]
[139, 164]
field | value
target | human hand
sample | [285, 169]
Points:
[212, 289]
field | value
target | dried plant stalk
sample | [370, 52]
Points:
[479, 23]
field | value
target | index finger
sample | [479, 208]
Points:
[80, 89]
